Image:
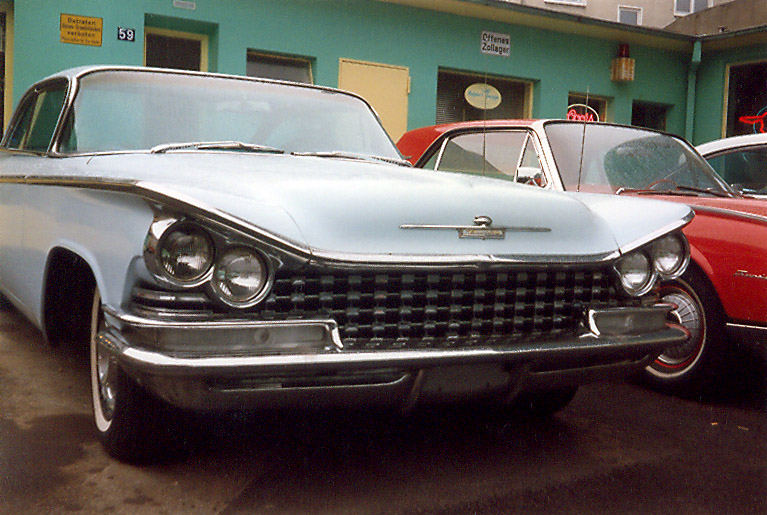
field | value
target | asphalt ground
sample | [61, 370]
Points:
[616, 448]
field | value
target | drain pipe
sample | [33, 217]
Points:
[692, 73]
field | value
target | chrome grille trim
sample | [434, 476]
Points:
[415, 309]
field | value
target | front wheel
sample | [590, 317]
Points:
[127, 418]
[690, 367]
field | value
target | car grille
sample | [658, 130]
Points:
[419, 309]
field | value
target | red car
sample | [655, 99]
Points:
[724, 291]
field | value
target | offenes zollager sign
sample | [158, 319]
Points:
[81, 30]
[495, 43]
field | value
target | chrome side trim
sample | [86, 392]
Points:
[225, 221]
[731, 213]
[748, 327]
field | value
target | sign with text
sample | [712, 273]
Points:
[494, 43]
[482, 96]
[80, 30]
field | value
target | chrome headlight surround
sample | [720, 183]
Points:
[664, 258]
[223, 262]
[670, 255]
[636, 273]
[241, 277]
[170, 240]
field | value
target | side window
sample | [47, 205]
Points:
[37, 121]
[494, 154]
[743, 169]
[530, 170]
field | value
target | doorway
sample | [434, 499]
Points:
[165, 48]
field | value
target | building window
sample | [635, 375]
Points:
[684, 7]
[649, 115]
[175, 49]
[579, 3]
[269, 66]
[598, 104]
[630, 15]
[452, 105]
[746, 99]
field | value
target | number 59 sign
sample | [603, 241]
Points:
[125, 34]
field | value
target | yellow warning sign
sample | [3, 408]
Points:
[81, 30]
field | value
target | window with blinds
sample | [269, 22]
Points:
[452, 106]
[270, 66]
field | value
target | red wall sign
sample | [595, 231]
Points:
[582, 113]
[757, 121]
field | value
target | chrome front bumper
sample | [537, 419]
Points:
[248, 364]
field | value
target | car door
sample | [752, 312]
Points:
[23, 154]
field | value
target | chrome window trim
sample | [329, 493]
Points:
[531, 134]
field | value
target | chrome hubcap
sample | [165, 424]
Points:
[688, 314]
[106, 383]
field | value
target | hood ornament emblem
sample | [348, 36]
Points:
[482, 229]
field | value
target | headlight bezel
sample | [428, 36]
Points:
[164, 225]
[154, 245]
[650, 252]
[684, 261]
[647, 284]
[263, 289]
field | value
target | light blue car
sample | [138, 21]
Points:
[226, 243]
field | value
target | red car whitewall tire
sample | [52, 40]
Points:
[689, 368]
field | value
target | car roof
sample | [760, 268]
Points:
[731, 143]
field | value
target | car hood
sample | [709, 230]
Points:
[357, 210]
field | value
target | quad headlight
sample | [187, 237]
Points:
[239, 277]
[181, 254]
[670, 255]
[184, 254]
[636, 273]
[665, 258]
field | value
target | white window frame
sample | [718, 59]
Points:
[678, 12]
[576, 3]
[637, 10]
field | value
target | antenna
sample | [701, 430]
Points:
[583, 142]
[484, 129]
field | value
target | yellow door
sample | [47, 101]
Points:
[385, 86]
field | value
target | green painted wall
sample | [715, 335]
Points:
[709, 104]
[326, 30]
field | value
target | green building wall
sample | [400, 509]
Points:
[325, 30]
[712, 79]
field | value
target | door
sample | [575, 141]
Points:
[385, 86]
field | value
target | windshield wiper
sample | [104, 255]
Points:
[351, 155]
[676, 190]
[710, 191]
[215, 145]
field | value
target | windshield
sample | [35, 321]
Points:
[625, 158]
[136, 110]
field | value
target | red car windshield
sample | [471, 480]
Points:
[602, 157]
